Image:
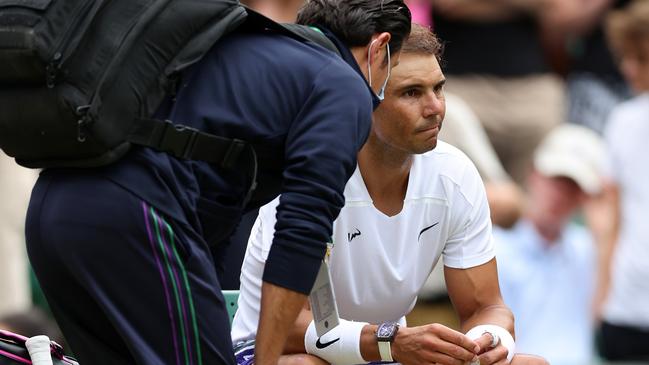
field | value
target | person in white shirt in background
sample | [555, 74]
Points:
[623, 296]
[547, 263]
[411, 200]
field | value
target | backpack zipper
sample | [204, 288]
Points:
[83, 111]
[52, 70]
[83, 122]
[127, 41]
[60, 55]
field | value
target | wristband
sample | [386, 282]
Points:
[498, 332]
[339, 346]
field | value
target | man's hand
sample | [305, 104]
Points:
[433, 344]
[491, 355]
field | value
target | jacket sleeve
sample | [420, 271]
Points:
[321, 148]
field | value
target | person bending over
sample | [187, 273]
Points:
[130, 255]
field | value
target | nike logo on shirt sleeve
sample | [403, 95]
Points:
[321, 345]
[427, 228]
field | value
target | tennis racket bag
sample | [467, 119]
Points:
[14, 352]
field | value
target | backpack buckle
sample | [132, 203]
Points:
[178, 139]
[231, 155]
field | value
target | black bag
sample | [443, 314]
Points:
[14, 352]
[81, 79]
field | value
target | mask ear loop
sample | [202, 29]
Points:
[369, 63]
[369, 69]
[385, 83]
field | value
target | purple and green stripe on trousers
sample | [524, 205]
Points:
[178, 294]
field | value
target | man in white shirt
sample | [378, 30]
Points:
[406, 205]
[624, 285]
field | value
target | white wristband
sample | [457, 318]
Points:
[339, 346]
[502, 334]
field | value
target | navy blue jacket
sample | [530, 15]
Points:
[307, 107]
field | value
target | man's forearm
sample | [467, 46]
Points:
[295, 341]
[369, 346]
[279, 310]
[499, 315]
[603, 219]
[476, 296]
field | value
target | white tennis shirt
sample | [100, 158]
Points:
[379, 263]
[626, 135]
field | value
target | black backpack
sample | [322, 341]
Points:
[81, 79]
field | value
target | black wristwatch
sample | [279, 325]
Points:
[384, 336]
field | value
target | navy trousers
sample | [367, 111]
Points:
[126, 284]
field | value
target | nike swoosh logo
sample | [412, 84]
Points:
[427, 228]
[321, 345]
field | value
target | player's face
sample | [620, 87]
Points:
[410, 117]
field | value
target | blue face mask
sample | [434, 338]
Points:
[381, 94]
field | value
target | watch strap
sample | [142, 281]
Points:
[385, 351]
[385, 334]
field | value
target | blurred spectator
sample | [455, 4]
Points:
[576, 48]
[15, 186]
[283, 11]
[624, 333]
[595, 86]
[496, 63]
[546, 262]
[32, 322]
[463, 130]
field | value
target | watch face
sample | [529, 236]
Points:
[386, 330]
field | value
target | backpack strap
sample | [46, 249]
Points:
[311, 34]
[190, 143]
[187, 142]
